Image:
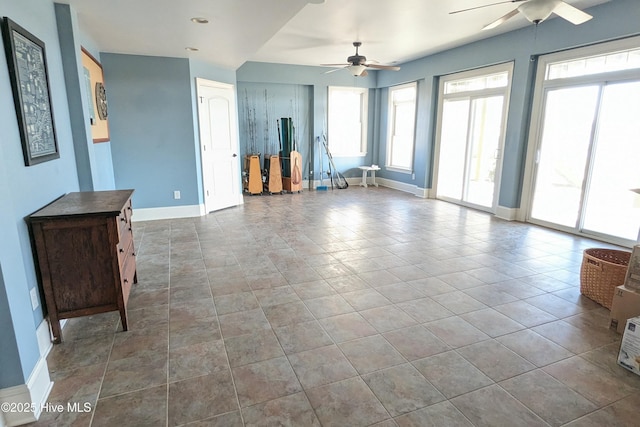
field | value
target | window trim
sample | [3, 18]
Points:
[391, 116]
[364, 120]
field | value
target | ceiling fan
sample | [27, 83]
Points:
[536, 11]
[357, 64]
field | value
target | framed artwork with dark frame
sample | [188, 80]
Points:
[27, 63]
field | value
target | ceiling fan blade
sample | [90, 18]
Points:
[334, 70]
[571, 13]
[501, 20]
[383, 67]
[344, 64]
[364, 73]
[485, 5]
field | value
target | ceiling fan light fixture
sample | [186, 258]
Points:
[539, 10]
[356, 70]
[199, 20]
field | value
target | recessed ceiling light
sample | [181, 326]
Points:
[191, 49]
[200, 20]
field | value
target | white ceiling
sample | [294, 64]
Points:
[290, 31]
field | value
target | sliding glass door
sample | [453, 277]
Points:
[471, 121]
[587, 147]
[611, 207]
[567, 130]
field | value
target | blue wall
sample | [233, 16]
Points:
[23, 190]
[151, 126]
[9, 357]
[287, 83]
[294, 101]
[153, 121]
[93, 161]
[102, 163]
[611, 20]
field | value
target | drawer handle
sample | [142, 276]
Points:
[129, 207]
[121, 250]
[130, 229]
[133, 253]
[123, 219]
[126, 280]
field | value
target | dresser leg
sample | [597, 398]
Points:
[123, 319]
[55, 329]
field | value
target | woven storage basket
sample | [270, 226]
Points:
[602, 270]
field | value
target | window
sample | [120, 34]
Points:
[402, 121]
[628, 59]
[348, 121]
[489, 81]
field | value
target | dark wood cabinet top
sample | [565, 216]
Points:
[85, 203]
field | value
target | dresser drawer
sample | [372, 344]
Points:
[128, 273]
[124, 219]
[126, 240]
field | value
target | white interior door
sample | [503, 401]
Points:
[219, 145]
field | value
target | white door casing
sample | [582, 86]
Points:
[219, 145]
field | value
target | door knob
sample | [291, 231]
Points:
[235, 155]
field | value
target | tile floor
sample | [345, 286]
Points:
[350, 307]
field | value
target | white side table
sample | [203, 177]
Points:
[366, 169]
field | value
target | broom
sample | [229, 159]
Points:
[321, 187]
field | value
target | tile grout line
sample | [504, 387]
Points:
[168, 326]
[233, 382]
[106, 367]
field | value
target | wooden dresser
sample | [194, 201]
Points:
[85, 254]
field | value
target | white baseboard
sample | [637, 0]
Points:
[34, 393]
[168, 212]
[424, 193]
[327, 183]
[43, 334]
[510, 214]
[407, 188]
[352, 181]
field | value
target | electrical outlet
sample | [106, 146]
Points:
[34, 298]
[413, 176]
[176, 195]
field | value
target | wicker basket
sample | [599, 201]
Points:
[602, 270]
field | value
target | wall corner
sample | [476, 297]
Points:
[32, 396]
